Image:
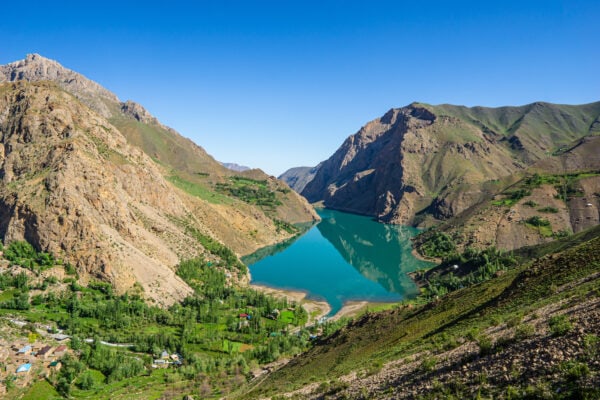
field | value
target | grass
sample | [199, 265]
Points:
[41, 390]
[199, 191]
[287, 317]
[149, 386]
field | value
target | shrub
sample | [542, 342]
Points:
[560, 325]
[575, 370]
[537, 221]
[530, 203]
[485, 345]
[524, 331]
[553, 210]
[428, 364]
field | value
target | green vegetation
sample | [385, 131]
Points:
[537, 221]
[22, 253]
[218, 333]
[285, 226]
[560, 325]
[542, 225]
[438, 245]
[464, 314]
[199, 190]
[471, 267]
[512, 197]
[552, 210]
[251, 191]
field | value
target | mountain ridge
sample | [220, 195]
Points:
[434, 160]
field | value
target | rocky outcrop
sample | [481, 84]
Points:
[72, 186]
[297, 178]
[441, 160]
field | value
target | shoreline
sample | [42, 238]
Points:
[318, 309]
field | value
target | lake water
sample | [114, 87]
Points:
[345, 257]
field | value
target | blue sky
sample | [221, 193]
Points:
[277, 84]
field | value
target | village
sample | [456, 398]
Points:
[29, 352]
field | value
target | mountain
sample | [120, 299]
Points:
[105, 186]
[557, 196]
[235, 167]
[424, 161]
[297, 178]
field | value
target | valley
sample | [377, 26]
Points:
[441, 252]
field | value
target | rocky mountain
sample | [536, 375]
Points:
[424, 161]
[103, 185]
[297, 178]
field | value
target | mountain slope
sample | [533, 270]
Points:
[521, 334]
[440, 160]
[106, 187]
[297, 178]
[558, 196]
[183, 162]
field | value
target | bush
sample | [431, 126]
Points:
[485, 345]
[537, 221]
[552, 210]
[560, 325]
[575, 370]
[428, 364]
[530, 203]
[524, 331]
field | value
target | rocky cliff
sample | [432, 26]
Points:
[105, 186]
[424, 160]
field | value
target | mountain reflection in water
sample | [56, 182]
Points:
[345, 257]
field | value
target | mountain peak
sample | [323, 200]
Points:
[36, 68]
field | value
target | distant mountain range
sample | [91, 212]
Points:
[108, 188]
[235, 167]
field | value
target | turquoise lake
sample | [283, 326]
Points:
[345, 257]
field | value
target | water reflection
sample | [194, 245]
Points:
[345, 257]
[381, 253]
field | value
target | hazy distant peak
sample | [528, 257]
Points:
[235, 167]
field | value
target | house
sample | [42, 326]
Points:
[45, 352]
[164, 355]
[243, 315]
[59, 336]
[24, 368]
[24, 350]
[60, 351]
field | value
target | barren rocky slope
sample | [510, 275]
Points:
[439, 160]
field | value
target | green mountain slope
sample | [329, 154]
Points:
[530, 331]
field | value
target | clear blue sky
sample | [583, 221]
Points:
[277, 84]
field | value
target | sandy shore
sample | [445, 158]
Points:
[316, 309]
